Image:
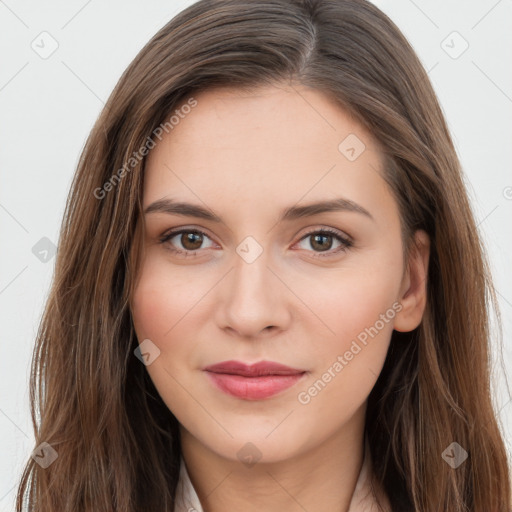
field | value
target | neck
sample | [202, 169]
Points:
[321, 479]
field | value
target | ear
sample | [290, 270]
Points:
[413, 290]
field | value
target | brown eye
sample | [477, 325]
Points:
[191, 241]
[321, 241]
[188, 241]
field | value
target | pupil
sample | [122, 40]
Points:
[320, 246]
[195, 238]
[191, 238]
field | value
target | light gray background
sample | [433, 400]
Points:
[48, 107]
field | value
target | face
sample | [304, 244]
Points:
[262, 278]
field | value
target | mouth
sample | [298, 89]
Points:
[253, 382]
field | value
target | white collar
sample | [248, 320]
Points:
[363, 499]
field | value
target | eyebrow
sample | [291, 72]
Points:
[173, 207]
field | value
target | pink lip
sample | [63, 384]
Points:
[253, 382]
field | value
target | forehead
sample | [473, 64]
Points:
[274, 144]
[279, 116]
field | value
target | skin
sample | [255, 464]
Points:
[246, 157]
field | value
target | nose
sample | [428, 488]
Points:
[253, 301]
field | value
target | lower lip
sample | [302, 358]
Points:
[253, 388]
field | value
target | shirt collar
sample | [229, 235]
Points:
[363, 499]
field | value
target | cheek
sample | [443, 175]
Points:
[348, 362]
[162, 299]
[159, 307]
[365, 309]
[357, 309]
[354, 301]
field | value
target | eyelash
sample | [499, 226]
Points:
[345, 242]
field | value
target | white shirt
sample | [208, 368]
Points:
[363, 499]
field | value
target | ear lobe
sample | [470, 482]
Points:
[413, 292]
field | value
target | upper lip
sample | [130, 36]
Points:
[252, 370]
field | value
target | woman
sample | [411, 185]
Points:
[270, 292]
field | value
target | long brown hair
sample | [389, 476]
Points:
[118, 444]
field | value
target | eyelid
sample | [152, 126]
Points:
[330, 230]
[345, 239]
[171, 233]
